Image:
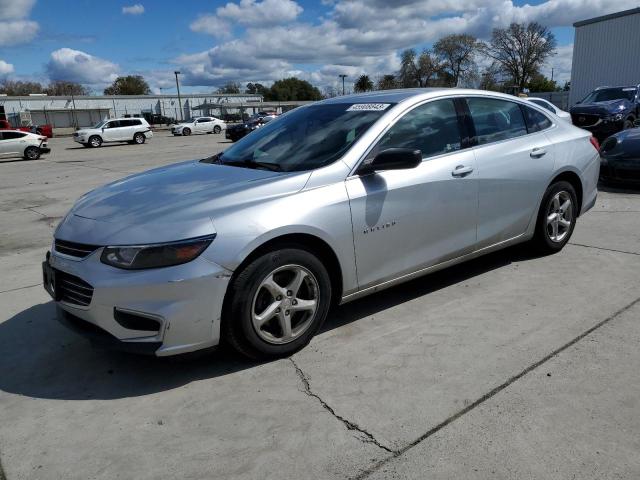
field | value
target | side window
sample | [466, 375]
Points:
[202, 120]
[536, 121]
[496, 120]
[7, 135]
[134, 123]
[113, 124]
[433, 128]
[544, 105]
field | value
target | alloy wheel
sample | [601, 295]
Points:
[285, 304]
[559, 216]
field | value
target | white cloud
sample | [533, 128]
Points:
[81, 67]
[136, 9]
[14, 27]
[211, 25]
[5, 68]
[560, 63]
[265, 12]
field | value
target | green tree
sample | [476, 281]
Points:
[256, 88]
[418, 71]
[293, 89]
[540, 83]
[520, 50]
[62, 88]
[230, 88]
[457, 54]
[363, 84]
[387, 82]
[129, 85]
[19, 87]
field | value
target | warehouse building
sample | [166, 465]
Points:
[605, 52]
[83, 111]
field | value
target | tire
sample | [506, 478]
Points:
[95, 141]
[31, 153]
[628, 123]
[266, 287]
[217, 129]
[552, 234]
[139, 138]
[186, 132]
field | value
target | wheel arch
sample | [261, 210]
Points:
[574, 179]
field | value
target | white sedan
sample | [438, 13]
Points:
[551, 107]
[199, 125]
[14, 143]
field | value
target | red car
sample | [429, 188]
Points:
[45, 130]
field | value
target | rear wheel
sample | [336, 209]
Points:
[186, 132]
[32, 153]
[139, 138]
[277, 303]
[95, 141]
[217, 129]
[556, 217]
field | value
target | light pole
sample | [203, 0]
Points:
[177, 72]
[342, 76]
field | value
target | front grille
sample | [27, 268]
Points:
[71, 289]
[78, 250]
[584, 119]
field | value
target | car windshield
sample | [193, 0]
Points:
[101, 124]
[305, 138]
[606, 94]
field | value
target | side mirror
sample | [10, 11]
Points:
[392, 159]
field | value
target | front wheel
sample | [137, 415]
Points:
[139, 138]
[95, 141]
[556, 217]
[628, 123]
[32, 153]
[217, 129]
[186, 132]
[276, 304]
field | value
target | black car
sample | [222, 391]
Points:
[236, 132]
[607, 110]
[620, 157]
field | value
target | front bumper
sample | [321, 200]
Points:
[184, 302]
[620, 170]
[45, 150]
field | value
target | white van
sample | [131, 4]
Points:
[130, 130]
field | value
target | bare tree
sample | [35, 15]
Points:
[363, 84]
[520, 50]
[387, 82]
[457, 54]
[418, 71]
[62, 88]
[19, 87]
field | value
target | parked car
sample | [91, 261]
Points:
[46, 130]
[236, 132]
[130, 130]
[620, 157]
[551, 107]
[607, 110]
[14, 143]
[333, 201]
[199, 125]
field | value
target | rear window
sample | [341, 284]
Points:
[12, 135]
[544, 105]
[496, 120]
[536, 121]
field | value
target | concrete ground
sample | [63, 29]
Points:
[510, 366]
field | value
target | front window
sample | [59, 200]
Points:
[101, 124]
[607, 94]
[305, 138]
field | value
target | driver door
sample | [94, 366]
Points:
[406, 220]
[112, 131]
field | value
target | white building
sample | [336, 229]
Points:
[605, 52]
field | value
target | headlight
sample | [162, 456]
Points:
[616, 117]
[157, 255]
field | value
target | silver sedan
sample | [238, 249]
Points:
[335, 200]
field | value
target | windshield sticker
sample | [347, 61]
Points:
[368, 107]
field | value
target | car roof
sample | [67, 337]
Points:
[401, 95]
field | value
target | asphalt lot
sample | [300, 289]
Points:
[510, 366]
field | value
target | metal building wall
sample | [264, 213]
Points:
[605, 53]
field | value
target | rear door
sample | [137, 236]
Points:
[203, 125]
[514, 159]
[12, 143]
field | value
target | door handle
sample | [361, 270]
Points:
[461, 171]
[537, 152]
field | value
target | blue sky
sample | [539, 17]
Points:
[213, 42]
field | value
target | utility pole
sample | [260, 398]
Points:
[177, 72]
[552, 74]
[342, 76]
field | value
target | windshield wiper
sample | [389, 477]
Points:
[274, 167]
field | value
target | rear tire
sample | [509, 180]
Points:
[276, 303]
[186, 132]
[32, 153]
[95, 141]
[556, 218]
[217, 129]
[139, 138]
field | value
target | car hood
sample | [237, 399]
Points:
[170, 203]
[608, 107]
[622, 145]
[85, 131]
[180, 125]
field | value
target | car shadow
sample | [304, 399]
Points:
[619, 188]
[42, 359]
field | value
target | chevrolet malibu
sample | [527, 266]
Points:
[334, 201]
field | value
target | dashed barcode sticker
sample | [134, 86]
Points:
[368, 107]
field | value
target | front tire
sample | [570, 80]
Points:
[628, 123]
[95, 141]
[276, 304]
[556, 218]
[139, 138]
[32, 153]
[186, 132]
[217, 129]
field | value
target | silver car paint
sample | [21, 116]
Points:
[383, 228]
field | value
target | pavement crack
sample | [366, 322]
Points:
[603, 248]
[21, 288]
[397, 453]
[365, 436]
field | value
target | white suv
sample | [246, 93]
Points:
[131, 130]
[199, 125]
